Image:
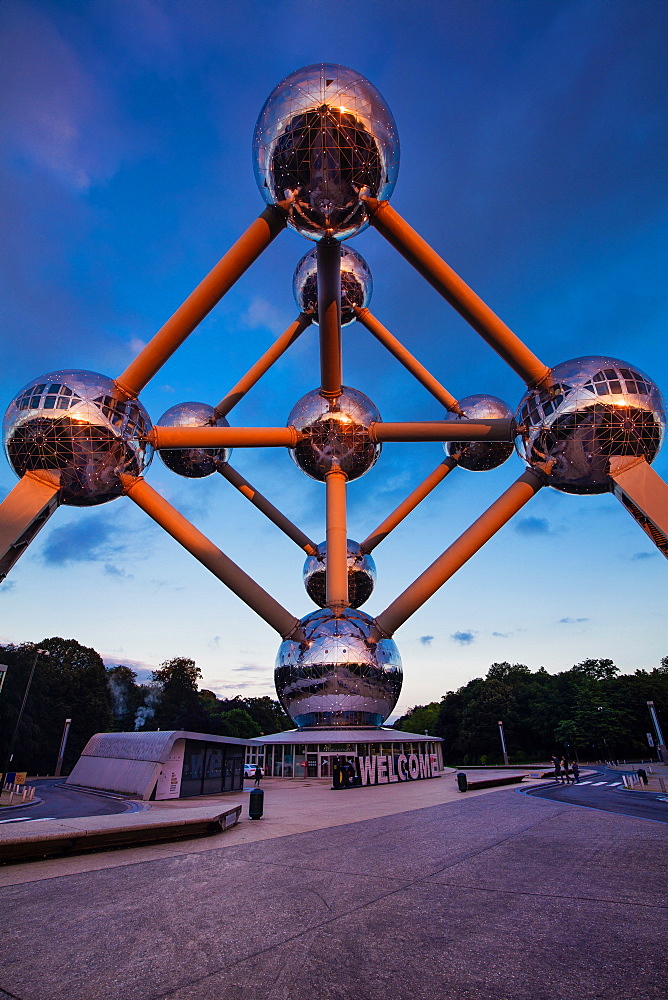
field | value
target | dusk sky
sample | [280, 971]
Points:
[533, 158]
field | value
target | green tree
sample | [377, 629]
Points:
[177, 703]
[420, 719]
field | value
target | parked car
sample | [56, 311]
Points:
[249, 770]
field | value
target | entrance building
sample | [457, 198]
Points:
[310, 753]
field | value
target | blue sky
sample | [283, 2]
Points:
[533, 159]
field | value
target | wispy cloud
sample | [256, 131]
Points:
[463, 638]
[638, 556]
[572, 621]
[426, 640]
[533, 526]
[89, 540]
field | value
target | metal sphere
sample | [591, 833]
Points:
[193, 463]
[77, 423]
[337, 676]
[361, 575]
[325, 136]
[598, 408]
[480, 456]
[356, 284]
[336, 434]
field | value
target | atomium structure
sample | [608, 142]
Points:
[326, 158]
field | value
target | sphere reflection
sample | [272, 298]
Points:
[193, 463]
[337, 676]
[337, 435]
[361, 575]
[356, 284]
[77, 423]
[480, 456]
[597, 408]
[325, 135]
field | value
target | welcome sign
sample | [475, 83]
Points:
[384, 769]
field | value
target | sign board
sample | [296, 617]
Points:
[384, 769]
[169, 779]
[20, 777]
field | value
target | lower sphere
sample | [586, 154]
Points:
[480, 456]
[361, 575]
[76, 423]
[335, 434]
[337, 676]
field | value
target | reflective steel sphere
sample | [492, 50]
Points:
[597, 409]
[361, 575]
[193, 463]
[356, 284]
[338, 436]
[337, 676]
[78, 424]
[325, 135]
[480, 456]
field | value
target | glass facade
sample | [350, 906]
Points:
[315, 760]
[211, 768]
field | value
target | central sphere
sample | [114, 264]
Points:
[193, 463]
[361, 575]
[480, 456]
[356, 284]
[337, 434]
[597, 408]
[324, 136]
[78, 424]
[337, 676]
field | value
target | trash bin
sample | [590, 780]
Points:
[256, 803]
[642, 774]
[462, 781]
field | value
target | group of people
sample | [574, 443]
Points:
[566, 771]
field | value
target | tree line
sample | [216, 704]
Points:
[70, 681]
[590, 711]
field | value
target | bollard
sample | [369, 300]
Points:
[256, 803]
[462, 782]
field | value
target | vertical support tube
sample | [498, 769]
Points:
[337, 541]
[329, 316]
[201, 301]
[461, 550]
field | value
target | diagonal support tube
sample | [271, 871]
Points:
[267, 508]
[24, 512]
[408, 505]
[645, 496]
[336, 594]
[223, 437]
[404, 356]
[329, 316]
[227, 571]
[201, 301]
[461, 550]
[492, 429]
[263, 365]
[455, 291]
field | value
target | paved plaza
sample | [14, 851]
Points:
[383, 893]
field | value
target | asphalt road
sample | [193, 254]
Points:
[61, 802]
[603, 790]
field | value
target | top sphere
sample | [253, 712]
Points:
[324, 136]
[78, 424]
[356, 284]
[193, 463]
[480, 456]
[597, 408]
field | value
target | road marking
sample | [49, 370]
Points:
[21, 819]
[615, 783]
[595, 783]
[584, 782]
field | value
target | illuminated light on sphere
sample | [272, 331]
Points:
[480, 456]
[337, 676]
[337, 434]
[325, 136]
[78, 424]
[598, 408]
[193, 463]
[356, 284]
[361, 575]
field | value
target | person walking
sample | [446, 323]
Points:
[565, 774]
[258, 775]
[557, 768]
[575, 768]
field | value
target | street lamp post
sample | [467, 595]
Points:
[3, 674]
[661, 746]
[10, 754]
[63, 744]
[503, 744]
